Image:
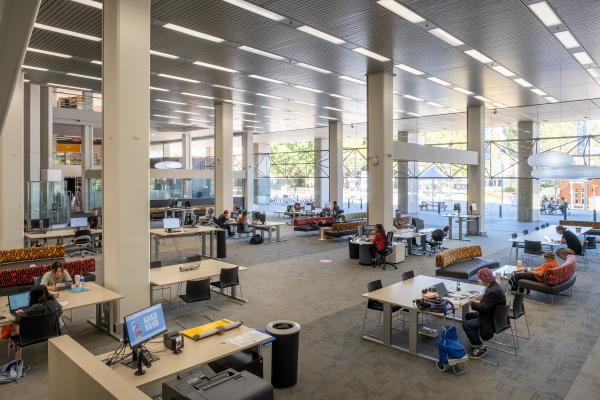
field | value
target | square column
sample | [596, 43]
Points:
[379, 139]
[12, 172]
[46, 128]
[321, 188]
[32, 132]
[126, 130]
[223, 157]
[87, 163]
[186, 158]
[248, 168]
[476, 173]
[262, 169]
[526, 210]
[336, 162]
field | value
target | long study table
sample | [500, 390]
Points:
[544, 234]
[59, 235]
[160, 234]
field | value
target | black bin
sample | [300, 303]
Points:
[221, 244]
[285, 352]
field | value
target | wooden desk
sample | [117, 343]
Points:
[194, 353]
[403, 294]
[269, 226]
[550, 232]
[170, 275]
[104, 299]
[160, 234]
[58, 234]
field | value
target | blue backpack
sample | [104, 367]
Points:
[451, 351]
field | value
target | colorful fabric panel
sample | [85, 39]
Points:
[451, 256]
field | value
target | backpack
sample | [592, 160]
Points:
[12, 371]
[256, 239]
[451, 351]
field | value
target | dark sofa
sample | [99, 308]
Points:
[462, 262]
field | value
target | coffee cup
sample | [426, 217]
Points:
[77, 280]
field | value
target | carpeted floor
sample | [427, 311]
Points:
[288, 280]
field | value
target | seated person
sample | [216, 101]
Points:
[297, 207]
[378, 243]
[56, 275]
[93, 220]
[399, 222]
[479, 324]
[223, 222]
[571, 240]
[534, 274]
[243, 217]
[335, 209]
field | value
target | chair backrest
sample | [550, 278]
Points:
[501, 321]
[407, 275]
[83, 232]
[372, 286]
[37, 280]
[437, 235]
[229, 276]
[197, 257]
[537, 228]
[389, 239]
[38, 328]
[590, 242]
[155, 264]
[514, 235]
[525, 231]
[532, 247]
[84, 239]
[517, 305]
[446, 230]
[198, 290]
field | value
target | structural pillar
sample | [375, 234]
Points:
[248, 168]
[46, 129]
[403, 178]
[527, 130]
[32, 133]
[379, 148]
[476, 173]
[262, 169]
[336, 162]
[186, 157]
[126, 147]
[12, 172]
[87, 163]
[321, 186]
[223, 157]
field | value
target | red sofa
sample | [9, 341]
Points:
[308, 224]
[24, 276]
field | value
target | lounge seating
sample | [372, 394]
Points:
[344, 229]
[24, 276]
[310, 224]
[462, 262]
[595, 225]
[556, 280]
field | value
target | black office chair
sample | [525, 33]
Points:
[158, 264]
[407, 275]
[515, 245]
[525, 232]
[194, 258]
[83, 243]
[436, 241]
[228, 278]
[517, 311]
[537, 228]
[502, 325]
[387, 250]
[155, 264]
[374, 304]
[590, 244]
[36, 329]
[243, 229]
[196, 291]
[532, 248]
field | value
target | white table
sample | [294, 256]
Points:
[269, 226]
[460, 219]
[409, 235]
[544, 234]
[59, 235]
[160, 234]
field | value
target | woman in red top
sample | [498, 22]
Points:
[378, 243]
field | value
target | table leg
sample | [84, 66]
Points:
[387, 324]
[413, 335]
[277, 235]
[270, 235]
[211, 246]
[203, 240]
[450, 230]
[409, 246]
[156, 248]
[460, 229]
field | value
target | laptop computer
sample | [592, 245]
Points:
[441, 290]
[18, 302]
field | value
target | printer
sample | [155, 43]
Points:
[226, 385]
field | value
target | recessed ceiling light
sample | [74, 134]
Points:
[164, 116]
[401, 11]
[478, 56]
[201, 96]
[438, 81]
[34, 68]
[465, 91]
[269, 96]
[414, 114]
[407, 68]
[228, 88]
[165, 55]
[431, 103]
[171, 102]
[594, 72]
[485, 99]
[67, 32]
[503, 70]
[238, 102]
[326, 117]
[539, 92]
[551, 99]
[303, 102]
[583, 58]
[339, 96]
[95, 4]
[567, 39]
[272, 108]
[351, 79]
[446, 37]
[334, 109]
[545, 13]
[255, 9]
[408, 96]
[194, 33]
[186, 112]
[178, 78]
[84, 76]
[264, 78]
[97, 62]
[523, 82]
[312, 67]
[320, 34]
[371, 54]
[68, 86]
[205, 107]
[159, 89]
[50, 53]
[307, 88]
[261, 53]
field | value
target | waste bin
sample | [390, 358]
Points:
[221, 244]
[285, 352]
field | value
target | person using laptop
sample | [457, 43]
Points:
[535, 274]
[223, 222]
[479, 324]
[57, 274]
[93, 220]
[571, 240]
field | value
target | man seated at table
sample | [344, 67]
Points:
[571, 240]
[401, 222]
[223, 222]
[57, 274]
[534, 274]
[479, 324]
[93, 220]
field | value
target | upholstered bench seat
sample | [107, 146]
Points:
[462, 263]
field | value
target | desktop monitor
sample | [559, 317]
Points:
[79, 223]
[457, 207]
[368, 229]
[170, 223]
[18, 301]
[145, 325]
[179, 204]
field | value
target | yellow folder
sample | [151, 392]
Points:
[212, 326]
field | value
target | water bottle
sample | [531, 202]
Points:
[81, 280]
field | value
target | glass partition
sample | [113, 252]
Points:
[46, 205]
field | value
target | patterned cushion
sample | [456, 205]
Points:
[314, 220]
[451, 256]
[346, 226]
[24, 276]
[555, 276]
[31, 254]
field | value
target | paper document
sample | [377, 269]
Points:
[63, 303]
[249, 338]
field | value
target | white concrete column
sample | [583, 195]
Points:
[336, 162]
[87, 163]
[223, 157]
[262, 166]
[248, 166]
[476, 173]
[403, 178]
[46, 128]
[379, 139]
[126, 213]
[321, 185]
[12, 172]
[32, 132]
[527, 206]
[186, 156]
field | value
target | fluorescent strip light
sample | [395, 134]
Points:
[68, 86]
[499, 105]
[320, 124]
[545, 13]
[201, 96]
[583, 58]
[446, 37]
[244, 112]
[465, 91]
[339, 96]
[326, 117]
[334, 109]
[307, 88]
[407, 68]
[398, 110]
[164, 116]
[95, 4]
[414, 114]
[194, 33]
[567, 39]
[304, 102]
[269, 96]
[485, 99]
[351, 79]
[438, 81]
[453, 109]
[50, 53]
[369, 53]
[165, 55]
[97, 62]
[206, 107]
[34, 68]
[320, 34]
[594, 72]
[159, 89]
[478, 56]
[272, 108]
[523, 82]
[238, 102]
[551, 99]
[312, 67]
[186, 112]
[84, 76]
[408, 96]
[401, 11]
[264, 78]
[250, 120]
[228, 88]
[67, 32]
[255, 9]
[539, 92]
[179, 123]
[261, 53]
[171, 102]
[178, 78]
[431, 103]
[199, 120]
[213, 66]
[503, 70]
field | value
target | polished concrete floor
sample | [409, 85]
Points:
[314, 283]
